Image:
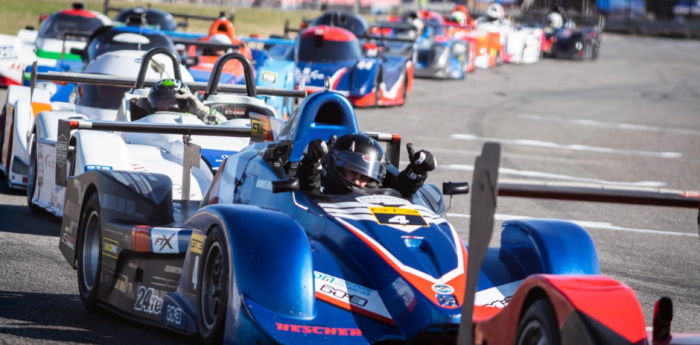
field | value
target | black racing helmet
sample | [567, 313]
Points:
[355, 152]
[164, 96]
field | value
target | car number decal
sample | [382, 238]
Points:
[398, 216]
[196, 244]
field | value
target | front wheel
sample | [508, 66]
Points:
[32, 180]
[212, 297]
[89, 256]
[538, 326]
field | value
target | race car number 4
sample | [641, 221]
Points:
[398, 216]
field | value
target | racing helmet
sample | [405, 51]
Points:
[220, 38]
[358, 153]
[458, 17]
[495, 11]
[555, 20]
[164, 96]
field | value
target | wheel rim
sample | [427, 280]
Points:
[91, 250]
[533, 334]
[212, 285]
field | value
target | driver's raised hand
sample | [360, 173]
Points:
[422, 161]
[315, 151]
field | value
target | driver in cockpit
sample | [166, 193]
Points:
[357, 161]
[173, 95]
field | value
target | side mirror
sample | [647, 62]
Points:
[29, 27]
[43, 17]
[290, 185]
[76, 51]
[182, 24]
[455, 188]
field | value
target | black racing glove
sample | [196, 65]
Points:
[309, 171]
[412, 178]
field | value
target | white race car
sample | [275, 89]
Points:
[94, 102]
[133, 151]
[59, 33]
[522, 44]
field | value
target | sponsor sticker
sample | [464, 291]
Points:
[110, 247]
[398, 216]
[342, 332]
[174, 315]
[196, 244]
[97, 167]
[260, 128]
[68, 240]
[351, 296]
[148, 301]
[164, 240]
[7, 52]
[443, 289]
[270, 77]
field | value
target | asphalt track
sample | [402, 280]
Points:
[632, 117]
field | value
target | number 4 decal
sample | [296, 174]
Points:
[399, 220]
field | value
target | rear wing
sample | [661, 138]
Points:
[186, 17]
[486, 189]
[304, 25]
[393, 145]
[190, 157]
[108, 80]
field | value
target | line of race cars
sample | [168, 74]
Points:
[202, 228]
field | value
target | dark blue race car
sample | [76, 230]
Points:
[368, 78]
[257, 261]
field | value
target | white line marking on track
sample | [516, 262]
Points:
[586, 224]
[544, 175]
[550, 145]
[601, 124]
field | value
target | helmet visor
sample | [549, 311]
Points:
[367, 165]
[172, 104]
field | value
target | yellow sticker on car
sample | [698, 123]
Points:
[398, 216]
[196, 243]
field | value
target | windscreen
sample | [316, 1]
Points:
[312, 49]
[358, 26]
[100, 96]
[119, 40]
[162, 20]
[57, 24]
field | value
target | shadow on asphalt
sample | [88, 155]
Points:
[20, 220]
[4, 189]
[62, 318]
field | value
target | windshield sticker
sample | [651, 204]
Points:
[270, 77]
[131, 38]
[382, 200]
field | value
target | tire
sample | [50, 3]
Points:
[32, 180]
[214, 279]
[538, 325]
[377, 89]
[89, 253]
[405, 88]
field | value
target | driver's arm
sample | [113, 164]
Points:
[207, 115]
[412, 178]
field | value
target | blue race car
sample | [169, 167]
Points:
[258, 262]
[368, 78]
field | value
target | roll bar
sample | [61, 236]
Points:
[219, 66]
[147, 59]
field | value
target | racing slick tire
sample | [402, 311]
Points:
[32, 180]
[212, 298]
[89, 253]
[538, 325]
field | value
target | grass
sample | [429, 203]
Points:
[15, 15]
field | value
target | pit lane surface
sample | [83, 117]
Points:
[631, 118]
